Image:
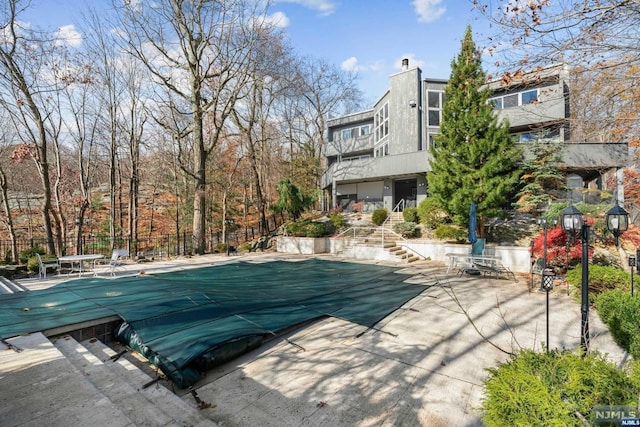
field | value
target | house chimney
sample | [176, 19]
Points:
[405, 64]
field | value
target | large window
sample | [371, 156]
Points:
[514, 99]
[353, 132]
[381, 122]
[435, 101]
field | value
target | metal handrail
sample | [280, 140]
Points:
[389, 217]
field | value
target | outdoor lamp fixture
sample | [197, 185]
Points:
[547, 285]
[544, 223]
[572, 222]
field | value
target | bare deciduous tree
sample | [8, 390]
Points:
[28, 92]
[198, 51]
[599, 41]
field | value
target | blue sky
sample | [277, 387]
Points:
[368, 36]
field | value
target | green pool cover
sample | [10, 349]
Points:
[188, 321]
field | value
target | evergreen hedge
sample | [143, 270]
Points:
[546, 389]
[621, 314]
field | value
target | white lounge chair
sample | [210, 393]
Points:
[116, 260]
[44, 264]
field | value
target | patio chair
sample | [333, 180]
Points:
[114, 262]
[116, 259]
[46, 263]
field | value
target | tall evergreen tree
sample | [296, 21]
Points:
[474, 159]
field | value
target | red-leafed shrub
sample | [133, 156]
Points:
[559, 255]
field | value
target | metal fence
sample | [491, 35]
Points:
[156, 246]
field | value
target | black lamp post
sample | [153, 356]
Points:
[547, 285]
[572, 221]
[545, 224]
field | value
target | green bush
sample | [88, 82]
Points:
[220, 248]
[245, 247]
[29, 253]
[405, 229]
[307, 229]
[379, 216]
[621, 314]
[337, 220]
[450, 232]
[411, 215]
[32, 265]
[545, 389]
[601, 278]
[431, 214]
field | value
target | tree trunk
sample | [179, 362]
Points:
[7, 212]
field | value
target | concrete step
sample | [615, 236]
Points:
[186, 413]
[8, 286]
[135, 405]
[40, 387]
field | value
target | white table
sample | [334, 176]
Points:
[80, 259]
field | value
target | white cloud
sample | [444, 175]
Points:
[351, 64]
[429, 10]
[325, 7]
[69, 36]
[278, 19]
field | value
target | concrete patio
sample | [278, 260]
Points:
[422, 365]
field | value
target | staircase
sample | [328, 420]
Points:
[10, 287]
[403, 254]
[131, 390]
[381, 237]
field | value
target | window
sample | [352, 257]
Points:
[381, 122]
[509, 101]
[346, 134]
[435, 100]
[530, 97]
[365, 130]
[514, 99]
[546, 135]
[382, 150]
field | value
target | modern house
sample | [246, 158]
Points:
[378, 158]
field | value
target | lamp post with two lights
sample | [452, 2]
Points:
[572, 222]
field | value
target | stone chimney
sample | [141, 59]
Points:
[405, 64]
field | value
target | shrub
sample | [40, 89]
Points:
[601, 278]
[431, 214]
[546, 388]
[337, 220]
[32, 265]
[245, 247]
[307, 229]
[411, 215]
[405, 229]
[29, 253]
[450, 232]
[621, 314]
[379, 216]
[220, 248]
